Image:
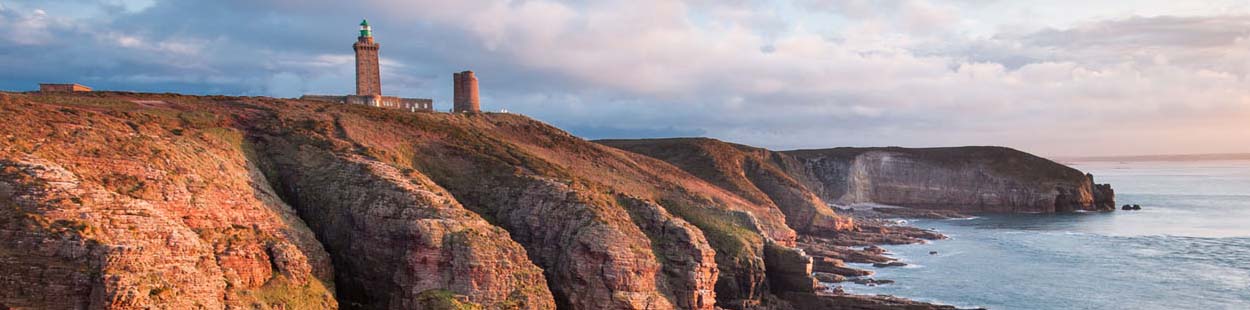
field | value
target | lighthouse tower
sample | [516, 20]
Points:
[368, 77]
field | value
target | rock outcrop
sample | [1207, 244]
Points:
[107, 206]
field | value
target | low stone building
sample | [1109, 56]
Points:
[62, 88]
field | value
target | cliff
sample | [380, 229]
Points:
[121, 201]
[749, 172]
[965, 179]
[130, 201]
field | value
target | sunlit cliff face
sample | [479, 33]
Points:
[1059, 78]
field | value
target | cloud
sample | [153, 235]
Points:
[792, 74]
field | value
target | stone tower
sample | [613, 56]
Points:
[368, 77]
[465, 98]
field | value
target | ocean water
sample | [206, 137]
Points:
[1189, 248]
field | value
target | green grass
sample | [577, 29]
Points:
[199, 119]
[292, 296]
[444, 300]
[731, 240]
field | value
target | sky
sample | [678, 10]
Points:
[1057, 77]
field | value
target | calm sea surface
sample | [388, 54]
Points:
[1188, 249]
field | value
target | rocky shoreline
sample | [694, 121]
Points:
[877, 226]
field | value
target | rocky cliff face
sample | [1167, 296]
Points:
[967, 179]
[125, 201]
[118, 208]
[130, 201]
[397, 237]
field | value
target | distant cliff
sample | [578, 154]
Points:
[969, 179]
[966, 179]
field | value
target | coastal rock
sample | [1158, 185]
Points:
[835, 266]
[858, 302]
[828, 277]
[889, 264]
[870, 281]
[789, 269]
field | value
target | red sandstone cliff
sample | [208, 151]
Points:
[106, 207]
[128, 201]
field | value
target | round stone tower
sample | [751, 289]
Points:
[368, 77]
[465, 97]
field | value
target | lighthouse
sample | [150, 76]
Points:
[368, 77]
[369, 80]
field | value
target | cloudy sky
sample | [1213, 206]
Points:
[1054, 77]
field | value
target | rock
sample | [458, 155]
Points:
[834, 266]
[1136, 207]
[889, 264]
[841, 300]
[1104, 196]
[789, 269]
[933, 252]
[1127, 207]
[828, 277]
[870, 281]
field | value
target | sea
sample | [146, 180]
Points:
[1188, 248]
